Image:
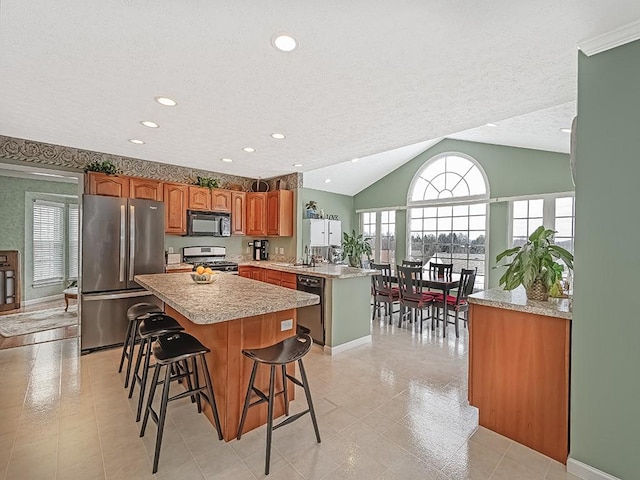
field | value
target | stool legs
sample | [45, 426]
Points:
[124, 348]
[247, 399]
[285, 390]
[212, 398]
[272, 381]
[307, 392]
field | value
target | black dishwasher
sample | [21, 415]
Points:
[312, 317]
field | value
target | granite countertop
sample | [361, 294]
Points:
[517, 300]
[177, 266]
[229, 297]
[325, 270]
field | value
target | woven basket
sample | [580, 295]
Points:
[538, 291]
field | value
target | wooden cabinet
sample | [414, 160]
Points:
[289, 280]
[199, 198]
[274, 277]
[257, 214]
[238, 213]
[110, 185]
[280, 213]
[145, 188]
[175, 208]
[220, 200]
[519, 376]
[244, 271]
[259, 274]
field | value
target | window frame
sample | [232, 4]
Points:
[63, 227]
[376, 246]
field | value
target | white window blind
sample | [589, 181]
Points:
[48, 241]
[73, 242]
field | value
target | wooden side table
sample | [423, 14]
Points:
[69, 293]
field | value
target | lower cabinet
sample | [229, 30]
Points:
[275, 277]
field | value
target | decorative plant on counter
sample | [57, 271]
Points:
[354, 246]
[534, 264]
[207, 182]
[106, 166]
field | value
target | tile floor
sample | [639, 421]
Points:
[394, 409]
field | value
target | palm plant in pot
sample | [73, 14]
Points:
[534, 265]
[354, 246]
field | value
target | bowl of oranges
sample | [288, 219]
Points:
[204, 275]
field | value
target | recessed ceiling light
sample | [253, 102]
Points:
[327, 180]
[166, 101]
[355, 160]
[226, 160]
[284, 42]
[136, 141]
[297, 164]
[565, 130]
[278, 136]
[491, 125]
[150, 124]
[249, 149]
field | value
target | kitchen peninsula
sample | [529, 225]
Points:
[229, 315]
[347, 297]
[519, 353]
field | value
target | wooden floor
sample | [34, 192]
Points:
[39, 337]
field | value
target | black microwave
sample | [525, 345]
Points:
[208, 224]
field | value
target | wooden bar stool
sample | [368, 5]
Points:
[136, 313]
[150, 329]
[173, 351]
[289, 350]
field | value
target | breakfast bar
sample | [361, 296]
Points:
[231, 314]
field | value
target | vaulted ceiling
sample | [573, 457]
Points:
[366, 78]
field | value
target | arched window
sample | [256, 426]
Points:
[448, 213]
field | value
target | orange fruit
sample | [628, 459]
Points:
[208, 270]
[200, 270]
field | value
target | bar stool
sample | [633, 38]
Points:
[289, 350]
[149, 329]
[136, 313]
[170, 351]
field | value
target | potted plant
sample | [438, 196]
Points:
[207, 182]
[354, 246]
[311, 208]
[105, 166]
[534, 265]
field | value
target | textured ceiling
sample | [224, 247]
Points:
[368, 77]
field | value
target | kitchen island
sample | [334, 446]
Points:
[227, 316]
[347, 298]
[519, 353]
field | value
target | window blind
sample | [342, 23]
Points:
[73, 242]
[48, 241]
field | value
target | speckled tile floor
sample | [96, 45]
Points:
[394, 409]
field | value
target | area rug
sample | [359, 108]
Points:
[38, 321]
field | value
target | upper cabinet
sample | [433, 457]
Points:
[238, 215]
[102, 184]
[220, 200]
[199, 198]
[145, 189]
[280, 213]
[175, 208]
[256, 214]
[323, 232]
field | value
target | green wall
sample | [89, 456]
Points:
[510, 172]
[605, 385]
[15, 220]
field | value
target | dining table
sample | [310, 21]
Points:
[445, 285]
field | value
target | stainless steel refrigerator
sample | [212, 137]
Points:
[121, 238]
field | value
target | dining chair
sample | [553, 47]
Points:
[412, 297]
[384, 292]
[440, 270]
[458, 303]
[411, 263]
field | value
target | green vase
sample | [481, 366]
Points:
[354, 261]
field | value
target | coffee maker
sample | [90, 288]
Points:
[261, 249]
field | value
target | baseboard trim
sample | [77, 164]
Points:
[35, 301]
[587, 472]
[347, 346]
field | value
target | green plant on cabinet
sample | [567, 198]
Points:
[534, 265]
[105, 166]
[207, 182]
[354, 246]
